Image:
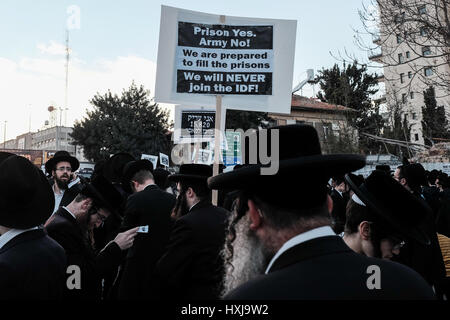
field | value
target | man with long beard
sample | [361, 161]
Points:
[291, 228]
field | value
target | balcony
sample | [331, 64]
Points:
[375, 56]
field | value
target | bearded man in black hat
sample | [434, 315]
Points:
[32, 265]
[191, 268]
[340, 198]
[71, 226]
[64, 183]
[281, 245]
[147, 206]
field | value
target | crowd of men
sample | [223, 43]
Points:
[313, 230]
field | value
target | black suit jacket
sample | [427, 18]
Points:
[152, 206]
[338, 213]
[32, 266]
[64, 228]
[325, 268]
[192, 267]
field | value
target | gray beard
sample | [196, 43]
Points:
[249, 260]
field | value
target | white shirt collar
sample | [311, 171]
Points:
[77, 180]
[9, 235]
[193, 205]
[65, 208]
[303, 237]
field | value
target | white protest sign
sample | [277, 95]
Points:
[164, 159]
[247, 61]
[204, 156]
[152, 159]
[194, 124]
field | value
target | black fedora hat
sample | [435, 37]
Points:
[26, 197]
[383, 167]
[113, 167]
[300, 156]
[130, 169]
[160, 176]
[106, 195]
[192, 171]
[61, 156]
[392, 203]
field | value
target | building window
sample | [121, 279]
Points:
[426, 51]
[416, 136]
[411, 95]
[401, 77]
[399, 18]
[403, 97]
[422, 9]
[408, 55]
[414, 116]
[409, 74]
[399, 38]
[428, 71]
[423, 31]
[400, 58]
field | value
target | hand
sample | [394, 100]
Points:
[125, 239]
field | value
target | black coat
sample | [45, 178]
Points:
[338, 214]
[152, 206]
[32, 266]
[64, 228]
[192, 267]
[325, 268]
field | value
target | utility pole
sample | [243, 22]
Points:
[4, 135]
[67, 77]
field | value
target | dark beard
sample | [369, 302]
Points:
[62, 184]
[249, 259]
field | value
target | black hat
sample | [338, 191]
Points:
[160, 176]
[26, 197]
[383, 167]
[61, 156]
[192, 171]
[415, 175]
[113, 167]
[130, 169]
[106, 195]
[302, 169]
[392, 203]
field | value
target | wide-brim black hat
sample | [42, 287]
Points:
[113, 167]
[131, 168]
[192, 171]
[61, 156]
[106, 194]
[391, 202]
[26, 197]
[300, 156]
[160, 176]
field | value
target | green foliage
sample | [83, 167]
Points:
[245, 120]
[434, 123]
[352, 87]
[129, 123]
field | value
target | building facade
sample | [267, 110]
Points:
[330, 121]
[415, 56]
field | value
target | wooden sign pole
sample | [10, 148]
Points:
[217, 145]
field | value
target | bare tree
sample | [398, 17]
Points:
[414, 33]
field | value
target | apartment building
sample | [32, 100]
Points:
[412, 46]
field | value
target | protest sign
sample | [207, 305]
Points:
[164, 159]
[194, 124]
[247, 61]
[152, 159]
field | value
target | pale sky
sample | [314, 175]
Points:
[117, 42]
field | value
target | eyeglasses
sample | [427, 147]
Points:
[64, 169]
